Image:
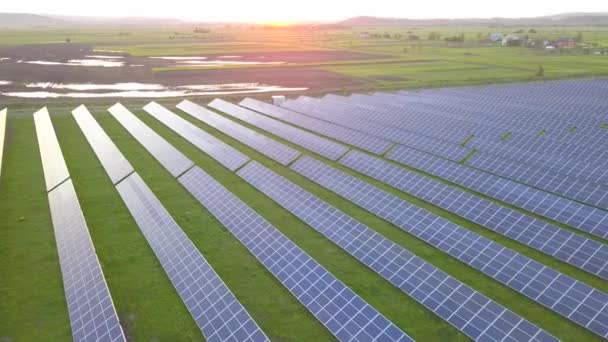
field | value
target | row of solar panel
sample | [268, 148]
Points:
[495, 324]
[504, 265]
[91, 310]
[586, 218]
[344, 313]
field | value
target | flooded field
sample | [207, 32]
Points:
[140, 90]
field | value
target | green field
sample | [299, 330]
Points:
[30, 282]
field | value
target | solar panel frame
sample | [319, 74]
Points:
[216, 311]
[339, 309]
[467, 310]
[576, 301]
[300, 137]
[207, 143]
[167, 155]
[53, 164]
[116, 165]
[273, 149]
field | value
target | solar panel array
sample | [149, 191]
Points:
[90, 307]
[271, 148]
[343, 312]
[2, 135]
[215, 309]
[574, 249]
[207, 143]
[466, 309]
[346, 135]
[312, 142]
[571, 187]
[577, 215]
[348, 116]
[569, 297]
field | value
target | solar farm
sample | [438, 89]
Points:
[448, 214]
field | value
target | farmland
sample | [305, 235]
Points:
[296, 62]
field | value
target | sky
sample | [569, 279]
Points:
[286, 11]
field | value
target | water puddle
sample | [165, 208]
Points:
[104, 57]
[138, 90]
[81, 62]
[5, 82]
[179, 58]
[90, 87]
[230, 57]
[223, 63]
[2, 59]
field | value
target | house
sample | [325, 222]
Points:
[496, 36]
[511, 40]
[565, 43]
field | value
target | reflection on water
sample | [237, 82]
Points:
[88, 86]
[216, 63]
[179, 58]
[104, 57]
[4, 59]
[5, 82]
[81, 62]
[230, 57]
[138, 90]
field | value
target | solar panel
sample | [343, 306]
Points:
[571, 298]
[53, 165]
[574, 249]
[466, 309]
[344, 313]
[220, 151]
[573, 188]
[364, 141]
[315, 143]
[269, 147]
[2, 130]
[173, 160]
[90, 307]
[115, 164]
[216, 311]
[586, 218]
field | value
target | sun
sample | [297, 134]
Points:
[281, 23]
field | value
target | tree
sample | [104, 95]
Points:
[532, 31]
[68, 40]
[579, 38]
[434, 36]
[540, 72]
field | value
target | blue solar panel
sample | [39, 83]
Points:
[166, 154]
[90, 307]
[469, 311]
[577, 250]
[216, 311]
[586, 218]
[364, 141]
[219, 150]
[269, 147]
[315, 143]
[343, 313]
[577, 301]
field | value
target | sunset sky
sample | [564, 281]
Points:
[276, 11]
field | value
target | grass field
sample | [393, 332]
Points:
[30, 278]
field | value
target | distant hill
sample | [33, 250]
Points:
[565, 19]
[10, 20]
